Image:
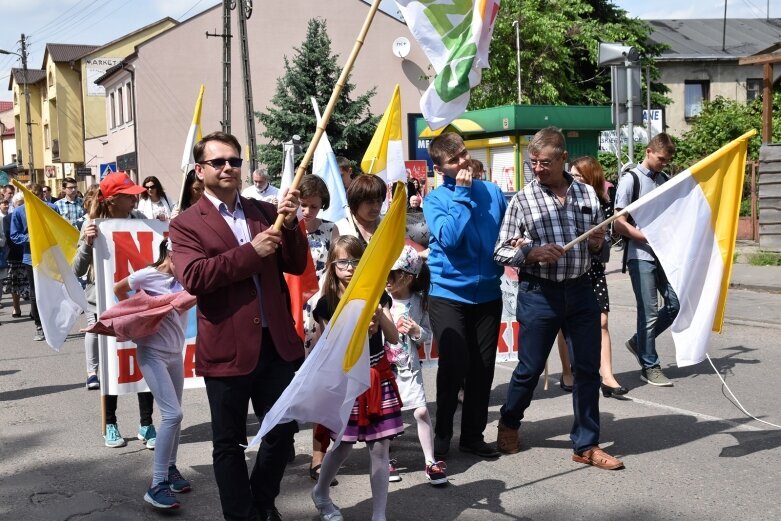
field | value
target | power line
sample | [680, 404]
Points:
[70, 26]
[63, 18]
[190, 9]
[756, 10]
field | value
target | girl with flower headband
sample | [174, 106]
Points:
[408, 284]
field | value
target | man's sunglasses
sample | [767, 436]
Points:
[217, 163]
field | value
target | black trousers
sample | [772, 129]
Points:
[145, 405]
[466, 336]
[242, 496]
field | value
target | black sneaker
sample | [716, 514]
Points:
[479, 448]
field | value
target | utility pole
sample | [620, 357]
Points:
[245, 11]
[517, 25]
[226, 63]
[30, 163]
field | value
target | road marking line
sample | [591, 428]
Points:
[678, 410]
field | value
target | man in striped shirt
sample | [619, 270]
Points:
[554, 292]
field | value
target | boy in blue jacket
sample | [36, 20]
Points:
[463, 216]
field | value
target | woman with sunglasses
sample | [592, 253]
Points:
[154, 203]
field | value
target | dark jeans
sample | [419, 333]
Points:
[466, 336]
[545, 307]
[145, 406]
[241, 496]
[28, 270]
[649, 281]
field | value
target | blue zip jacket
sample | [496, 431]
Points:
[464, 225]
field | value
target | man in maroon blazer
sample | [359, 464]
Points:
[227, 254]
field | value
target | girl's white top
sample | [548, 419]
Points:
[170, 336]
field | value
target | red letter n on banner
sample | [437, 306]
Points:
[128, 254]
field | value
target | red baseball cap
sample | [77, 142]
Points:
[119, 183]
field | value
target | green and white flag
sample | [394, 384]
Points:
[456, 37]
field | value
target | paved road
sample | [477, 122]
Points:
[690, 454]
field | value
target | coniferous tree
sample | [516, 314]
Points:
[313, 71]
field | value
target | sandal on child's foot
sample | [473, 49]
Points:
[314, 473]
[326, 509]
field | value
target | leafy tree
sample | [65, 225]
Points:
[313, 71]
[559, 52]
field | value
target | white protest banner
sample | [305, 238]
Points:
[122, 247]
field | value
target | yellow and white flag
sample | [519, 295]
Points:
[385, 155]
[456, 37]
[691, 222]
[58, 293]
[193, 135]
[337, 370]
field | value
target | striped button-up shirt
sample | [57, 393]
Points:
[536, 217]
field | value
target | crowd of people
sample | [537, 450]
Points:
[444, 287]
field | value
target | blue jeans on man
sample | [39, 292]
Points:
[649, 281]
[545, 307]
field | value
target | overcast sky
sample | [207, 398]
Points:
[100, 21]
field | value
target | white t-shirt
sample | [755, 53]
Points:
[152, 210]
[268, 194]
[170, 336]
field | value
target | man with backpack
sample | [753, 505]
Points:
[645, 271]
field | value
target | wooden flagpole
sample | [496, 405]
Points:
[340, 83]
[585, 235]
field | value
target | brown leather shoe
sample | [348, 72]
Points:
[507, 440]
[598, 458]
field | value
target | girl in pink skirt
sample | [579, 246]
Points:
[376, 415]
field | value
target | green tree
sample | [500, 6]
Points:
[559, 51]
[313, 71]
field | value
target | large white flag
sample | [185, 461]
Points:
[456, 37]
[691, 223]
[52, 247]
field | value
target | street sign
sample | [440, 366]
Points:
[83, 172]
[106, 169]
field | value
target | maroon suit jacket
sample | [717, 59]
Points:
[211, 265]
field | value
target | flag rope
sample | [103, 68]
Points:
[736, 402]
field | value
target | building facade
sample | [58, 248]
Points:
[702, 62]
[170, 68]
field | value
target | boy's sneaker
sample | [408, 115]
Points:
[113, 438]
[435, 472]
[176, 482]
[393, 472]
[160, 496]
[655, 376]
[39, 337]
[148, 435]
[631, 346]
[92, 383]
